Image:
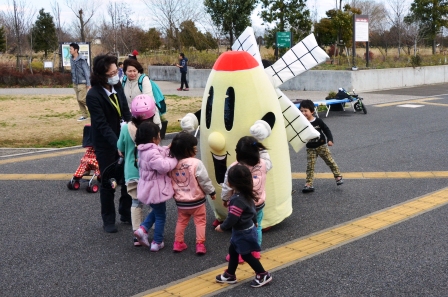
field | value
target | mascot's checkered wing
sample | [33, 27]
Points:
[298, 129]
[247, 42]
[302, 57]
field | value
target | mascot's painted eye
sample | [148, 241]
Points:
[208, 108]
[229, 108]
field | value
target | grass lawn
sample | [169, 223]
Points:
[51, 120]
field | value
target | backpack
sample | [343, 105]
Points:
[158, 95]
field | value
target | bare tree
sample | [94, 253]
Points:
[414, 33]
[396, 19]
[84, 11]
[18, 20]
[114, 14]
[118, 31]
[205, 24]
[169, 14]
[56, 9]
[377, 12]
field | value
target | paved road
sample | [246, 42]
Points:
[52, 243]
[169, 88]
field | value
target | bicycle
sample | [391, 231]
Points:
[359, 105]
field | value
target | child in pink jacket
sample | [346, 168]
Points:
[154, 186]
[191, 184]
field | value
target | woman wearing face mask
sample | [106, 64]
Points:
[108, 109]
[133, 71]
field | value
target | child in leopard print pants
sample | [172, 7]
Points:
[318, 147]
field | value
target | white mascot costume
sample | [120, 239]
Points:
[242, 98]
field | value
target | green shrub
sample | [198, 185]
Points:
[331, 95]
[10, 77]
[416, 61]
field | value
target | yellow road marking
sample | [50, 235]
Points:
[377, 175]
[295, 175]
[42, 156]
[436, 104]
[56, 176]
[413, 101]
[306, 247]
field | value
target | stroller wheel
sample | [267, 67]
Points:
[94, 188]
[76, 185]
[70, 185]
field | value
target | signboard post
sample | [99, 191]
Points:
[361, 34]
[283, 40]
[48, 64]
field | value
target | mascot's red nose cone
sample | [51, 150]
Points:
[233, 61]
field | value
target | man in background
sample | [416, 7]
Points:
[183, 72]
[81, 79]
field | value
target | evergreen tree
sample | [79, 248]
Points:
[149, 40]
[342, 22]
[431, 15]
[154, 40]
[325, 32]
[190, 36]
[44, 33]
[211, 42]
[287, 15]
[231, 16]
[2, 40]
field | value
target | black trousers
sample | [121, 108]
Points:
[183, 80]
[253, 262]
[107, 194]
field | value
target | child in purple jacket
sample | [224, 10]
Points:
[154, 186]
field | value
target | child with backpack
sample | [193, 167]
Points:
[191, 184]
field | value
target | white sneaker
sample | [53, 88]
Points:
[142, 236]
[155, 247]
[82, 119]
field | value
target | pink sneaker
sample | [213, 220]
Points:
[179, 246]
[256, 255]
[200, 249]
[142, 236]
[240, 259]
[155, 247]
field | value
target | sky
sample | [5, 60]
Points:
[141, 11]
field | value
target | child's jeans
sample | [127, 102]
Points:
[158, 217]
[259, 227]
[323, 152]
[183, 217]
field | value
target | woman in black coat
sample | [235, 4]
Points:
[108, 108]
